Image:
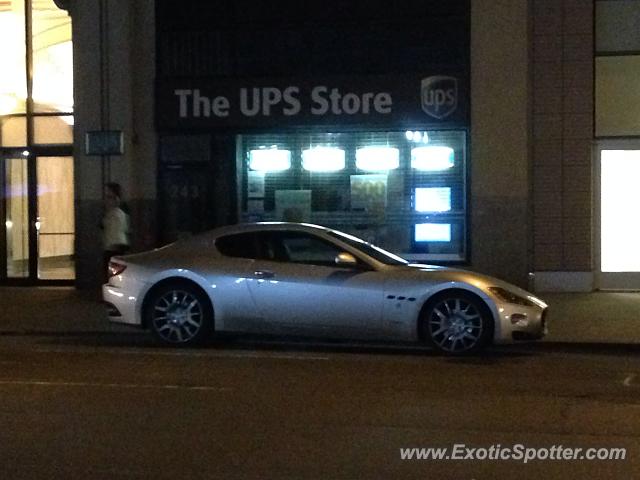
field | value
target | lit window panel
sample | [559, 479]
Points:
[377, 159]
[433, 199]
[432, 158]
[432, 232]
[269, 160]
[323, 159]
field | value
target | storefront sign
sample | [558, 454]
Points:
[389, 100]
[104, 142]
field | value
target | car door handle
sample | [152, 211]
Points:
[264, 274]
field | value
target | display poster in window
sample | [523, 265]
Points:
[369, 194]
[293, 205]
[255, 184]
[255, 207]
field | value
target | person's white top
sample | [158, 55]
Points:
[115, 228]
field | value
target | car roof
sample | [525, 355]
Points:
[264, 227]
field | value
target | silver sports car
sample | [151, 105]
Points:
[301, 279]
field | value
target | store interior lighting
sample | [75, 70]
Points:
[377, 159]
[432, 158]
[323, 159]
[269, 160]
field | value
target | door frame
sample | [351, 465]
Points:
[611, 281]
[32, 188]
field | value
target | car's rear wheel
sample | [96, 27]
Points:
[457, 323]
[179, 314]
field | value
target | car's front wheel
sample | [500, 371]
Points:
[457, 323]
[179, 314]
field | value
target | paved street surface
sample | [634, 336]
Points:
[113, 405]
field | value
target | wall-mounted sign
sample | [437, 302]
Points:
[104, 142]
[383, 100]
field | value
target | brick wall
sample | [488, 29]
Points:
[562, 134]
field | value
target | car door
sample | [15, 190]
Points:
[236, 306]
[303, 289]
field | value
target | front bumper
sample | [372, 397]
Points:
[521, 323]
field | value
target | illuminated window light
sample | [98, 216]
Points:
[433, 199]
[8, 104]
[376, 159]
[323, 159]
[620, 233]
[433, 232]
[431, 159]
[269, 160]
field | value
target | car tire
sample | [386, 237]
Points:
[456, 323]
[179, 314]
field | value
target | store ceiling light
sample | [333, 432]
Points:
[269, 160]
[377, 159]
[323, 159]
[431, 159]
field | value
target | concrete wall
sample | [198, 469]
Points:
[113, 90]
[500, 132]
[562, 144]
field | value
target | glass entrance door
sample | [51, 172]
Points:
[55, 224]
[619, 215]
[37, 229]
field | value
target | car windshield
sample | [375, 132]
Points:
[374, 252]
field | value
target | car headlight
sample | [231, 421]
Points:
[510, 297]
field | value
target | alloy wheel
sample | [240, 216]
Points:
[455, 325]
[177, 316]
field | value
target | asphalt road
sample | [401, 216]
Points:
[115, 406]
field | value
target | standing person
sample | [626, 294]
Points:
[115, 224]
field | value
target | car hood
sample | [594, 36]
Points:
[447, 274]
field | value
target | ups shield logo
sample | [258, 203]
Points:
[439, 96]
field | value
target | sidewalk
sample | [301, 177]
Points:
[573, 318]
[52, 310]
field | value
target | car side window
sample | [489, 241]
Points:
[297, 247]
[239, 245]
[251, 245]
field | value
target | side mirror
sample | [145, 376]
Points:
[345, 259]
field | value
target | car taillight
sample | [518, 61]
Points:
[116, 269]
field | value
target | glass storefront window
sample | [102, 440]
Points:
[37, 243]
[13, 83]
[52, 129]
[13, 131]
[52, 58]
[404, 191]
